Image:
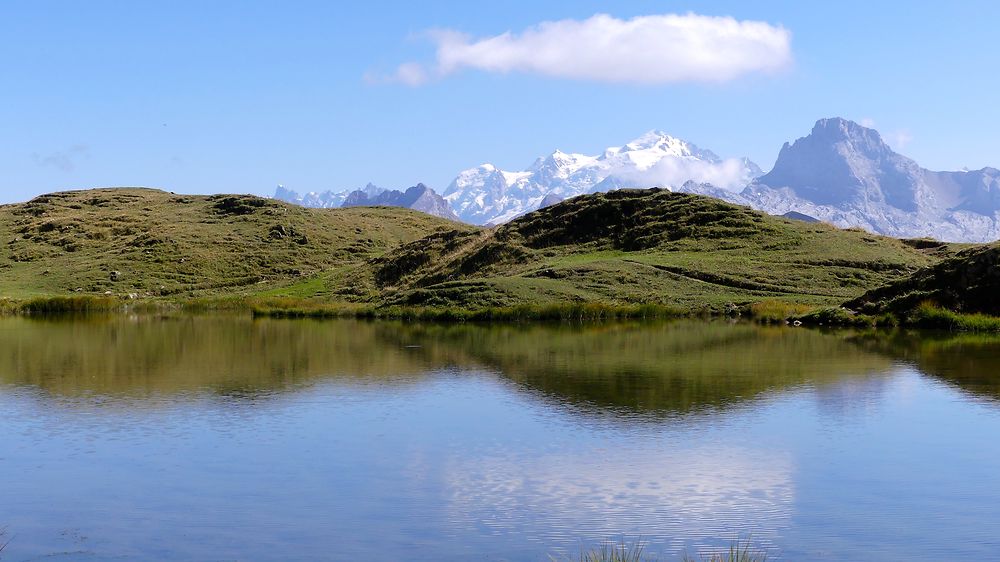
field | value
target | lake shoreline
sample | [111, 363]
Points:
[926, 316]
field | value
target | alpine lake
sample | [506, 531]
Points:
[222, 437]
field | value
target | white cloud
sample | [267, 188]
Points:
[700, 493]
[410, 73]
[728, 174]
[657, 49]
[63, 160]
[899, 139]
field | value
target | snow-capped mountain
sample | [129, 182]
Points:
[419, 197]
[842, 173]
[845, 174]
[489, 195]
[326, 199]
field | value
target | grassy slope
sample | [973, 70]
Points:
[634, 246]
[967, 283]
[163, 244]
[624, 247]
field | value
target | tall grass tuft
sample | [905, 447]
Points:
[623, 551]
[929, 315]
[777, 311]
[739, 551]
[74, 304]
[617, 551]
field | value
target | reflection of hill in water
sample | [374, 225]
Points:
[651, 368]
[658, 369]
[968, 361]
[140, 356]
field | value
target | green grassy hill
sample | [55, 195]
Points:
[626, 247]
[151, 243]
[636, 246]
[968, 282]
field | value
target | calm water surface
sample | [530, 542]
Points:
[219, 438]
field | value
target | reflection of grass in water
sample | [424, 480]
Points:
[624, 551]
[630, 367]
[968, 360]
[232, 356]
[654, 367]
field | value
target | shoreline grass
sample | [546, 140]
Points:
[777, 311]
[523, 313]
[66, 305]
[927, 315]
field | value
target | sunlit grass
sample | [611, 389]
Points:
[778, 311]
[929, 315]
[72, 304]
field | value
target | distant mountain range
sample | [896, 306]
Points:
[419, 198]
[842, 173]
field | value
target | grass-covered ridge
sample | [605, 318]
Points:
[145, 243]
[641, 246]
[965, 283]
[627, 253]
[959, 293]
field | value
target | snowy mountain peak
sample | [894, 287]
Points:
[655, 144]
[841, 172]
[490, 196]
[650, 139]
[657, 139]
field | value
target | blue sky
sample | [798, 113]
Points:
[206, 97]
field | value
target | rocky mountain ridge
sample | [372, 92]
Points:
[841, 172]
[419, 198]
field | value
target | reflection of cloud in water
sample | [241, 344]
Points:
[675, 499]
[851, 397]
